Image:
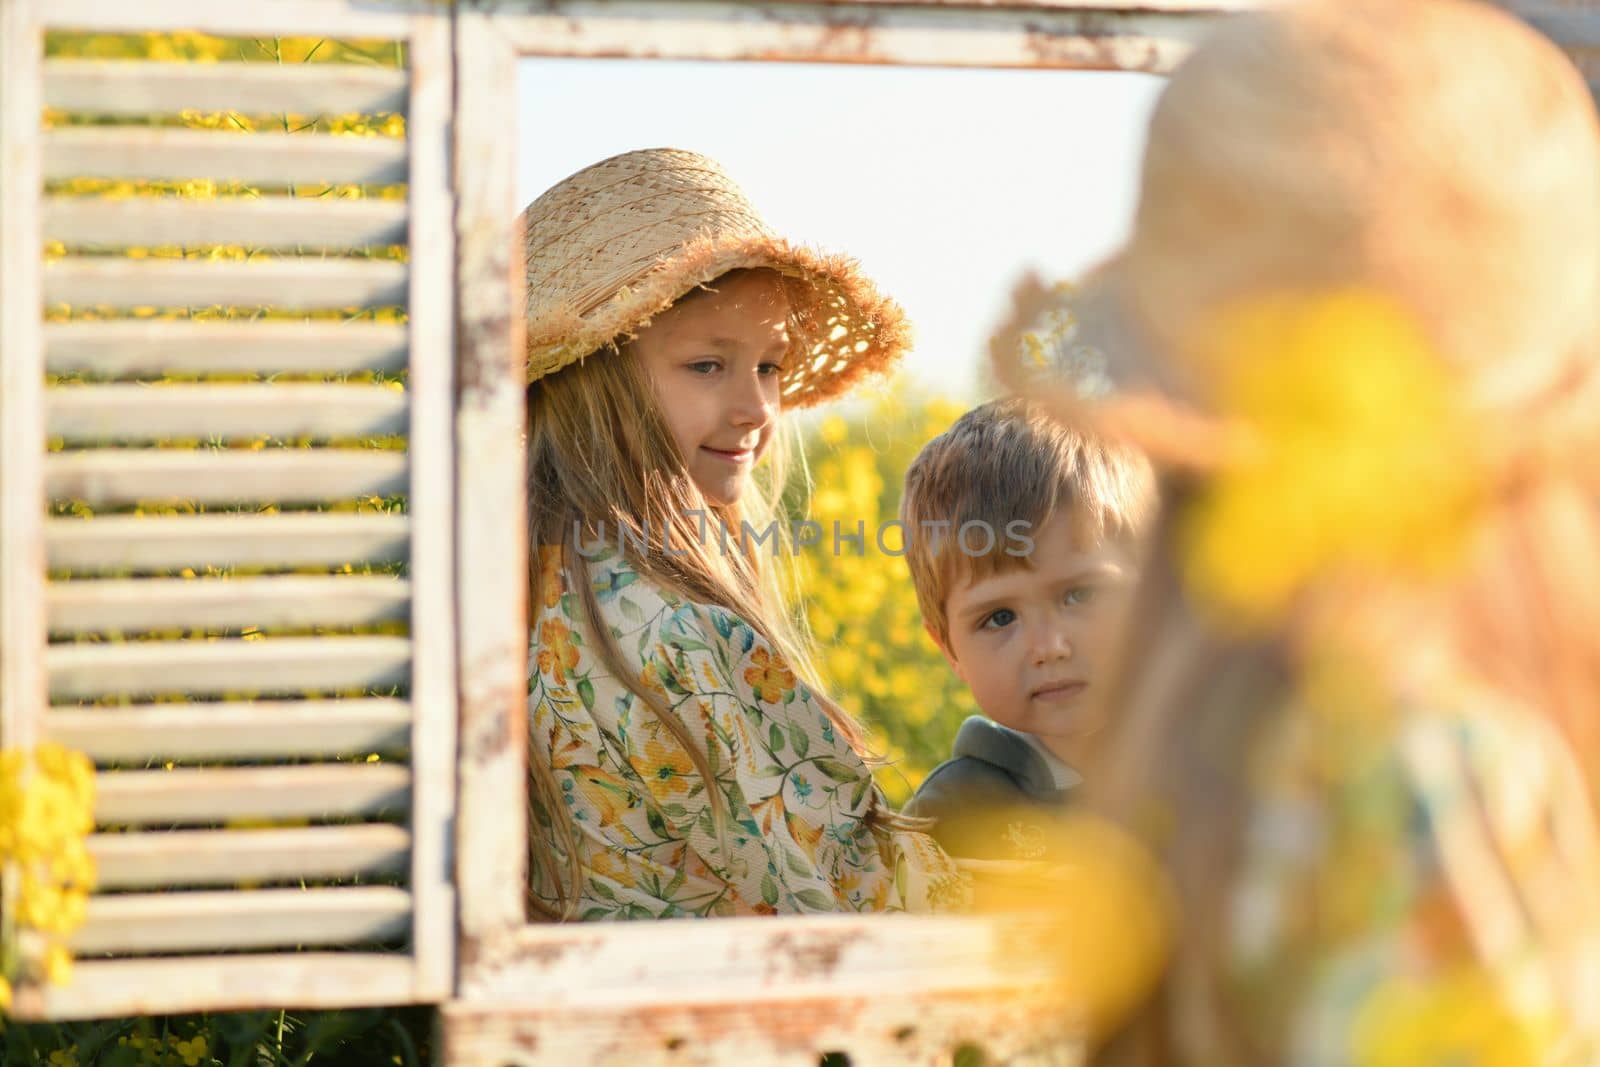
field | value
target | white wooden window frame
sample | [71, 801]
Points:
[883, 989]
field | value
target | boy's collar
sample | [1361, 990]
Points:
[1040, 772]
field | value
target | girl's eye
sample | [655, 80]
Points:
[1082, 594]
[704, 366]
[1001, 619]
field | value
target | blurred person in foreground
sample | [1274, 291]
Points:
[1355, 327]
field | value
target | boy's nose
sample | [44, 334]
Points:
[1050, 645]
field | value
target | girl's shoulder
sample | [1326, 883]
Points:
[631, 602]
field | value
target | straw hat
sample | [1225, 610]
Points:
[616, 243]
[1438, 152]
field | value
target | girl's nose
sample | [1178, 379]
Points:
[756, 403]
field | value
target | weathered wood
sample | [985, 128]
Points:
[215, 668]
[231, 857]
[431, 316]
[1130, 37]
[143, 605]
[102, 988]
[117, 87]
[264, 158]
[491, 505]
[883, 1028]
[134, 348]
[237, 730]
[884, 989]
[22, 627]
[283, 18]
[284, 476]
[273, 223]
[123, 543]
[138, 923]
[165, 412]
[318, 791]
[300, 283]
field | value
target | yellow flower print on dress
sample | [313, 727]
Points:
[1361, 454]
[550, 584]
[557, 653]
[770, 677]
[665, 767]
[609, 795]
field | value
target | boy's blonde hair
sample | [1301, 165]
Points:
[1003, 462]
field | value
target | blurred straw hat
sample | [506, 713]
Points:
[1438, 152]
[616, 243]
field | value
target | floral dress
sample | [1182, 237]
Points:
[796, 794]
[1418, 888]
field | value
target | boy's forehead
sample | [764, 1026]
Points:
[1058, 555]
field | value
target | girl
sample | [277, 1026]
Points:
[685, 761]
[1362, 283]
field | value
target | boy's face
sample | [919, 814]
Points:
[715, 360]
[1033, 645]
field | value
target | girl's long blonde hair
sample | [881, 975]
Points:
[600, 451]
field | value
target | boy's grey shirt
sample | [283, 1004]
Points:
[993, 774]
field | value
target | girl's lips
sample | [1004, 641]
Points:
[731, 457]
[1064, 691]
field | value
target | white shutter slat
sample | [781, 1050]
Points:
[199, 795]
[116, 542]
[130, 88]
[265, 918]
[222, 983]
[262, 158]
[144, 412]
[235, 730]
[210, 857]
[268, 223]
[285, 476]
[303, 283]
[214, 668]
[289, 601]
[130, 348]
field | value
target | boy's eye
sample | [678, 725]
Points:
[771, 368]
[1082, 594]
[1000, 619]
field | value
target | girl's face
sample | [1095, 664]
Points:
[715, 358]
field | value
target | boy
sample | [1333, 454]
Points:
[1026, 617]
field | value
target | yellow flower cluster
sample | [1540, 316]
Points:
[168, 1050]
[1459, 1018]
[861, 607]
[1361, 457]
[46, 815]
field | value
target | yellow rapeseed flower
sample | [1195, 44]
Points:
[1363, 456]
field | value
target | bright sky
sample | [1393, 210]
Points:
[945, 184]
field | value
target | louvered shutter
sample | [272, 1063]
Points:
[188, 595]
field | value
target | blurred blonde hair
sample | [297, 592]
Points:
[1446, 156]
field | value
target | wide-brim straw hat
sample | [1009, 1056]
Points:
[1440, 153]
[618, 242]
